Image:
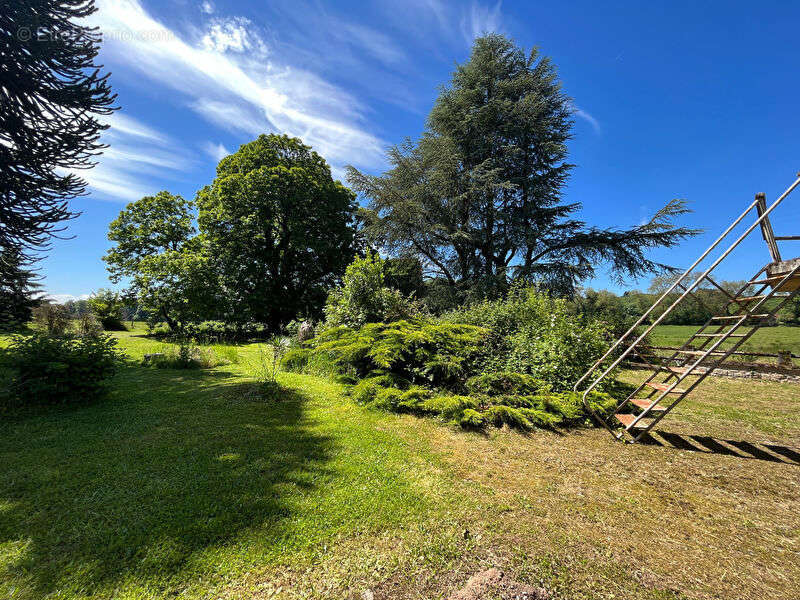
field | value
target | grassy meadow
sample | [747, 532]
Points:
[767, 340]
[189, 484]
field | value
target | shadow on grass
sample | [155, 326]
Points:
[171, 465]
[736, 448]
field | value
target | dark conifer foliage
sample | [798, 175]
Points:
[18, 290]
[479, 198]
[52, 94]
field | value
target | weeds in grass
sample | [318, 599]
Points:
[267, 366]
[184, 355]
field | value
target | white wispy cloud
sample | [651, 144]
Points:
[588, 118]
[216, 151]
[479, 19]
[62, 298]
[123, 124]
[136, 154]
[375, 43]
[222, 84]
[207, 7]
[232, 34]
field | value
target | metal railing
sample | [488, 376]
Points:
[763, 216]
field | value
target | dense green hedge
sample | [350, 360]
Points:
[500, 399]
[439, 368]
[535, 334]
[410, 352]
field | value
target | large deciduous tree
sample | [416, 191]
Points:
[147, 227]
[180, 286]
[479, 198]
[280, 229]
[156, 249]
[52, 94]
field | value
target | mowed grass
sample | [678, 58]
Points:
[767, 340]
[186, 484]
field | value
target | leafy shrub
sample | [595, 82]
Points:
[559, 352]
[436, 354]
[506, 383]
[61, 370]
[364, 298]
[534, 334]
[52, 318]
[108, 305]
[88, 324]
[207, 332]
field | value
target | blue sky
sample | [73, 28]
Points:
[694, 100]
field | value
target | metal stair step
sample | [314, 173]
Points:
[749, 298]
[767, 280]
[627, 420]
[644, 404]
[663, 387]
[733, 317]
[676, 370]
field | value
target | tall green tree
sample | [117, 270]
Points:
[279, 227]
[52, 95]
[147, 227]
[479, 198]
[180, 286]
[19, 290]
[157, 250]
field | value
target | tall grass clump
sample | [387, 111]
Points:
[185, 355]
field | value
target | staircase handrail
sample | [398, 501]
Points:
[687, 291]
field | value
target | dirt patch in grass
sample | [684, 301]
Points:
[493, 584]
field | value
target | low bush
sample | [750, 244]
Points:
[207, 332]
[108, 305]
[52, 318]
[477, 411]
[88, 325]
[463, 373]
[505, 383]
[416, 351]
[60, 370]
[534, 334]
[364, 297]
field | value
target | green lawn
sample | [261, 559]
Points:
[768, 340]
[187, 484]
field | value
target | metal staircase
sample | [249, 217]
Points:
[674, 377]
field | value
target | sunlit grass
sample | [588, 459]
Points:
[188, 484]
[767, 340]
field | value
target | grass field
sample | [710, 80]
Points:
[767, 340]
[185, 484]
